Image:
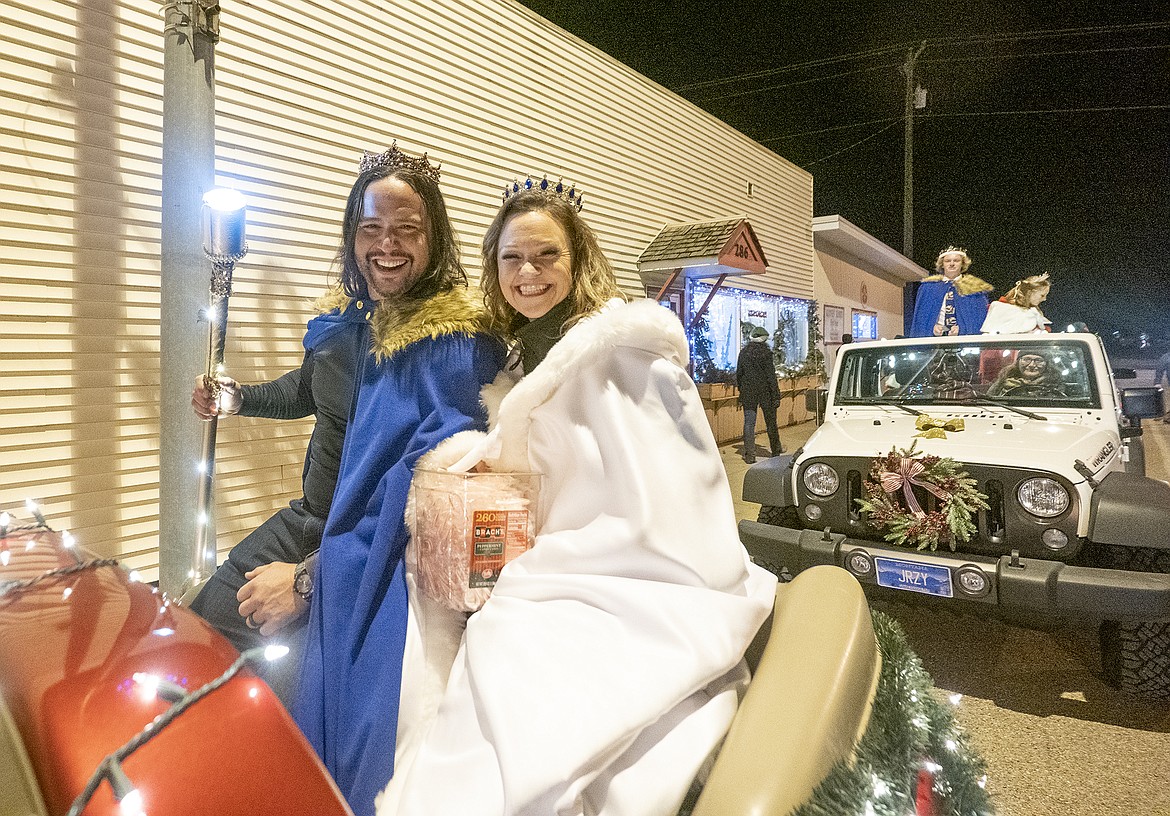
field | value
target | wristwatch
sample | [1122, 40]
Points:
[303, 580]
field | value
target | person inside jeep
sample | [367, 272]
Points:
[1031, 375]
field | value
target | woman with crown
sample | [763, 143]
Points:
[952, 301]
[605, 667]
[1018, 312]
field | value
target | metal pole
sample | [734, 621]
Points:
[188, 171]
[908, 157]
[224, 221]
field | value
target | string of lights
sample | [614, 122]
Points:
[7, 587]
[110, 768]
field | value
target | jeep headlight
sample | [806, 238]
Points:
[1042, 497]
[820, 479]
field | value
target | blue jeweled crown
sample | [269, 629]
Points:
[396, 158]
[547, 189]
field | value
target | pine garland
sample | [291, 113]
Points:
[950, 523]
[908, 729]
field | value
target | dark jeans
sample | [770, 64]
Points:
[288, 536]
[749, 430]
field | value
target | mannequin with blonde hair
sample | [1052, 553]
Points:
[1018, 312]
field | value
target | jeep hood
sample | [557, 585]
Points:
[1025, 443]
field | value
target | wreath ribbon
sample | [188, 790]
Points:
[933, 428]
[906, 477]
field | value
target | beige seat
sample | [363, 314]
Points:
[20, 794]
[808, 703]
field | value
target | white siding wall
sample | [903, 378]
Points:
[302, 87]
[839, 282]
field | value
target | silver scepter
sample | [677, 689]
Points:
[224, 218]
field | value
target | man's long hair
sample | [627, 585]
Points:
[593, 280]
[444, 269]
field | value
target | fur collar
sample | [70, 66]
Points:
[640, 324]
[335, 300]
[965, 284]
[396, 324]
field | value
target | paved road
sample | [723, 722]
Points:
[1057, 740]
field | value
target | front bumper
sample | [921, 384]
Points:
[1051, 587]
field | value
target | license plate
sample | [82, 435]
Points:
[913, 576]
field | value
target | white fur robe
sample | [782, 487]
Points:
[607, 665]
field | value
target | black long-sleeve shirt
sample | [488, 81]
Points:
[324, 386]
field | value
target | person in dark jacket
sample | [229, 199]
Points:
[755, 376]
[263, 588]
[322, 387]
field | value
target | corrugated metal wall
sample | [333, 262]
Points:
[302, 87]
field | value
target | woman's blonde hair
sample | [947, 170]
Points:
[593, 280]
[1020, 294]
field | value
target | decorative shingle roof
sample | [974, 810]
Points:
[698, 240]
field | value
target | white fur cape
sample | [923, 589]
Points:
[607, 665]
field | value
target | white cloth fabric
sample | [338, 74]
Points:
[607, 665]
[1007, 318]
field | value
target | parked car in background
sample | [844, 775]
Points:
[992, 473]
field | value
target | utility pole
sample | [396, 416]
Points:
[190, 32]
[908, 154]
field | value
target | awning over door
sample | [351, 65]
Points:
[706, 249]
[702, 249]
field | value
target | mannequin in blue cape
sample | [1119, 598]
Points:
[419, 385]
[952, 301]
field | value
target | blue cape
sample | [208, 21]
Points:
[347, 704]
[970, 310]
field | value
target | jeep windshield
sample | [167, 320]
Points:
[1047, 373]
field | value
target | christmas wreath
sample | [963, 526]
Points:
[907, 524]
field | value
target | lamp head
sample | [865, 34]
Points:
[224, 219]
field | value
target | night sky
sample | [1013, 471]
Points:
[1080, 190]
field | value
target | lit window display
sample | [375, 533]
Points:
[718, 335]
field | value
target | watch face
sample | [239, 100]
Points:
[303, 584]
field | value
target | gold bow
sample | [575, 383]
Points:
[905, 477]
[933, 428]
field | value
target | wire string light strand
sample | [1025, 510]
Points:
[158, 724]
[8, 587]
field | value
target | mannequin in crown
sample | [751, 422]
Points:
[952, 301]
[1018, 312]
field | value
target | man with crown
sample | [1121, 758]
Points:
[952, 301]
[418, 383]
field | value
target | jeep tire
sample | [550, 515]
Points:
[778, 517]
[1135, 655]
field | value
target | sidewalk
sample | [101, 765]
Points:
[791, 438]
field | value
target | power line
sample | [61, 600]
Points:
[795, 67]
[895, 119]
[763, 88]
[1021, 36]
[850, 147]
[830, 129]
[1046, 53]
[1051, 110]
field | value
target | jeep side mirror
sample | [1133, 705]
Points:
[815, 400]
[1144, 402]
[1124, 374]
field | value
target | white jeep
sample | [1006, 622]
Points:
[988, 471]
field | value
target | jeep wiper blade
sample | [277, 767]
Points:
[986, 401]
[897, 404]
